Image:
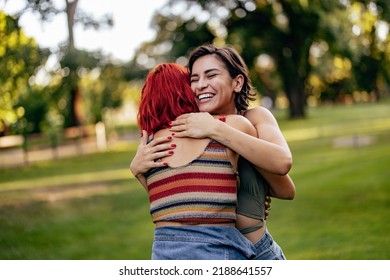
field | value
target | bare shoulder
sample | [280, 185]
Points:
[240, 123]
[237, 120]
[259, 115]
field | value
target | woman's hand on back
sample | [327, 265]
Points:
[148, 153]
[194, 125]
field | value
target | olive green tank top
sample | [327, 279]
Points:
[252, 190]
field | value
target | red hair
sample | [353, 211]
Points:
[165, 95]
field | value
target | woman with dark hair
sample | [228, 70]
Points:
[193, 194]
[269, 153]
[212, 70]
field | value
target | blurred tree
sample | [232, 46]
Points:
[176, 36]
[371, 44]
[103, 88]
[72, 59]
[74, 62]
[286, 44]
[283, 31]
[36, 106]
[352, 54]
[19, 58]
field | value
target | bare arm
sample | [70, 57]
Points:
[268, 129]
[264, 154]
[243, 125]
[147, 154]
[282, 186]
[269, 153]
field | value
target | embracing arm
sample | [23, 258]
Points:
[147, 154]
[269, 153]
[282, 186]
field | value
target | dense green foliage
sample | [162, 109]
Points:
[19, 58]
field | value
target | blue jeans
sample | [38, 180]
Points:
[201, 243]
[268, 249]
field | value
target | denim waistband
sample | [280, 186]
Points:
[219, 235]
[264, 242]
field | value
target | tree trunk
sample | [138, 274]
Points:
[74, 88]
[70, 12]
[74, 119]
[293, 84]
[297, 102]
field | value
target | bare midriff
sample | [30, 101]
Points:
[245, 222]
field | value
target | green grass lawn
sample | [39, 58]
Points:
[90, 207]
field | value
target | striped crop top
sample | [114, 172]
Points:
[203, 191]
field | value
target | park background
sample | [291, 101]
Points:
[68, 129]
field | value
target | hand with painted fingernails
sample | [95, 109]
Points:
[148, 154]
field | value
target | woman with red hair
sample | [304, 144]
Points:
[165, 95]
[193, 195]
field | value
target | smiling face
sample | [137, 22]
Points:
[213, 87]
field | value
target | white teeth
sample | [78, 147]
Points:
[205, 96]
